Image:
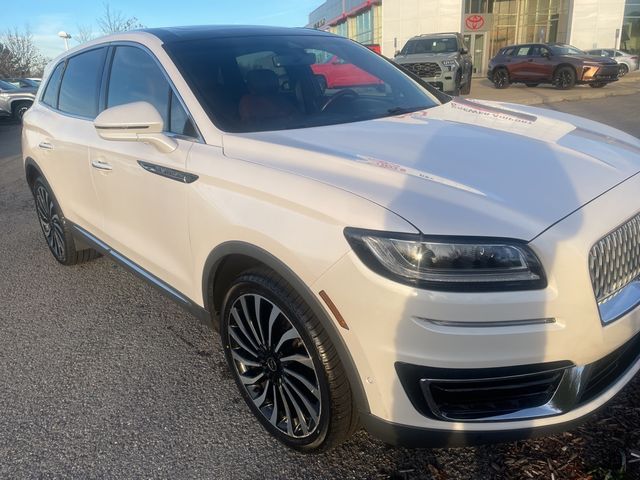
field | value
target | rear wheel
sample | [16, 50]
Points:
[284, 364]
[564, 78]
[56, 229]
[501, 78]
[623, 69]
[19, 109]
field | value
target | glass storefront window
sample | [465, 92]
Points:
[364, 27]
[342, 29]
[630, 34]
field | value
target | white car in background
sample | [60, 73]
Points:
[628, 61]
[442, 272]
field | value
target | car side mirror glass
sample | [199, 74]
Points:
[464, 51]
[134, 122]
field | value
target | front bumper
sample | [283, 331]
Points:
[606, 74]
[391, 324]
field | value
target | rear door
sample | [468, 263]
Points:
[71, 98]
[144, 201]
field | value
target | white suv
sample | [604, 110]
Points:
[441, 272]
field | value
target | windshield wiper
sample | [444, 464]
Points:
[401, 110]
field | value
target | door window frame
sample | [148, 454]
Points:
[104, 84]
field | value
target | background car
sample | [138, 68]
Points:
[15, 101]
[562, 65]
[23, 82]
[627, 62]
[337, 73]
[440, 59]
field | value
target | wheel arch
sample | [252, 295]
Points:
[566, 64]
[229, 259]
[32, 171]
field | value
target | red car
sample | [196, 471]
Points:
[339, 74]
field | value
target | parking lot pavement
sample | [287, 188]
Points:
[101, 376]
[547, 94]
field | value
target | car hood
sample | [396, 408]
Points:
[595, 59]
[421, 56]
[462, 168]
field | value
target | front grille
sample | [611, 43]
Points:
[614, 261]
[426, 69]
[608, 71]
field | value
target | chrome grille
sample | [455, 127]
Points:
[614, 261]
[427, 69]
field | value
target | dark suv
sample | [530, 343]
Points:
[561, 65]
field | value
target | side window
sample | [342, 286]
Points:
[136, 77]
[50, 96]
[522, 51]
[81, 83]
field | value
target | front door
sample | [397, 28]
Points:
[143, 197]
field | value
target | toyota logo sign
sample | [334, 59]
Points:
[474, 22]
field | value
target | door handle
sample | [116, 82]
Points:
[45, 146]
[100, 165]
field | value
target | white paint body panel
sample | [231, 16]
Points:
[459, 169]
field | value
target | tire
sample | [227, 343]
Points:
[304, 402]
[56, 229]
[500, 78]
[623, 69]
[597, 84]
[18, 109]
[466, 90]
[531, 85]
[564, 78]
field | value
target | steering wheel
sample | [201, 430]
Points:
[347, 92]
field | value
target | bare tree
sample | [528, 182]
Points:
[114, 21]
[19, 56]
[84, 33]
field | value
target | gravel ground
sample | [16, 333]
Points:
[101, 376]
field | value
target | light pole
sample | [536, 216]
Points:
[65, 36]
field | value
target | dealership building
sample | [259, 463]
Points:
[487, 25]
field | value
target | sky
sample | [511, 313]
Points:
[45, 18]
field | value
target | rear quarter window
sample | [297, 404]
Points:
[50, 96]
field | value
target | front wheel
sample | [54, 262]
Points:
[564, 78]
[284, 364]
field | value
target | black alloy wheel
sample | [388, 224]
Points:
[50, 222]
[284, 364]
[501, 78]
[564, 78]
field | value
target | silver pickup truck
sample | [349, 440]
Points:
[15, 101]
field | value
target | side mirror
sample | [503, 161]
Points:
[134, 122]
[397, 54]
[546, 54]
[464, 51]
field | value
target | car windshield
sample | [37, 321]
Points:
[431, 46]
[258, 83]
[6, 85]
[565, 50]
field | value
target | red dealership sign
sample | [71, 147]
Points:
[474, 22]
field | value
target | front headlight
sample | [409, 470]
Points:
[463, 264]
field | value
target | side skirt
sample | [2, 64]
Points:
[203, 315]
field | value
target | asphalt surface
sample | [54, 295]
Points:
[102, 376]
